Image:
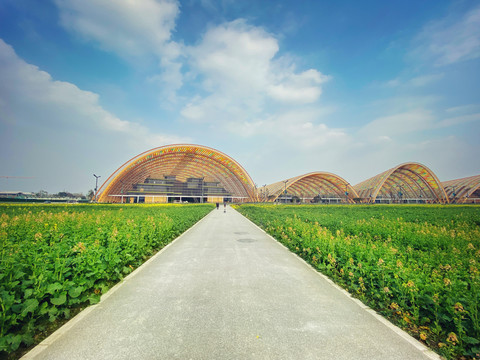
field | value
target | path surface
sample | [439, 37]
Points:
[226, 290]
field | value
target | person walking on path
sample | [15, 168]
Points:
[224, 206]
[218, 205]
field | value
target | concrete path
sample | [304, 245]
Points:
[226, 290]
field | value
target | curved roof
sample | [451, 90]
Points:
[412, 180]
[184, 161]
[311, 185]
[463, 188]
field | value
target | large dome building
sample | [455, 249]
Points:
[179, 173]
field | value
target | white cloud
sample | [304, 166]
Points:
[124, 26]
[240, 59]
[463, 109]
[425, 80]
[450, 40]
[398, 124]
[33, 94]
[234, 57]
[55, 121]
[419, 81]
[299, 129]
[236, 63]
[131, 29]
[458, 120]
[249, 90]
[297, 88]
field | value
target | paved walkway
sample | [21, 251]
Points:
[226, 290]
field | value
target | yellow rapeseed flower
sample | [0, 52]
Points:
[452, 337]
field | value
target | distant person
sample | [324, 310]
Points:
[218, 205]
[224, 207]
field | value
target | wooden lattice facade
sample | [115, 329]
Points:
[405, 183]
[200, 174]
[315, 187]
[464, 190]
[189, 164]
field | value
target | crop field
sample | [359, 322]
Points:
[417, 265]
[58, 258]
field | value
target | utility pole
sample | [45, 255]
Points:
[96, 186]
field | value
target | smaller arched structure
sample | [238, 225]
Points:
[465, 190]
[312, 187]
[408, 182]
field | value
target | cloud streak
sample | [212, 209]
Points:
[129, 28]
[450, 40]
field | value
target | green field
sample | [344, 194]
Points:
[56, 259]
[417, 265]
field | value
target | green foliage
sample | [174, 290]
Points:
[57, 257]
[417, 265]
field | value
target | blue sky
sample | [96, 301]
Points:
[284, 87]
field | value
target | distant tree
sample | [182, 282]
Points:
[90, 195]
[79, 196]
[65, 194]
[42, 194]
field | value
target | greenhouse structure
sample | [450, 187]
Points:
[198, 174]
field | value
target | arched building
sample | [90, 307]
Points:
[405, 183]
[463, 191]
[315, 187]
[179, 173]
[195, 173]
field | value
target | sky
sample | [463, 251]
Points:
[284, 87]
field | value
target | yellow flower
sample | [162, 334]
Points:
[393, 306]
[423, 336]
[452, 337]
